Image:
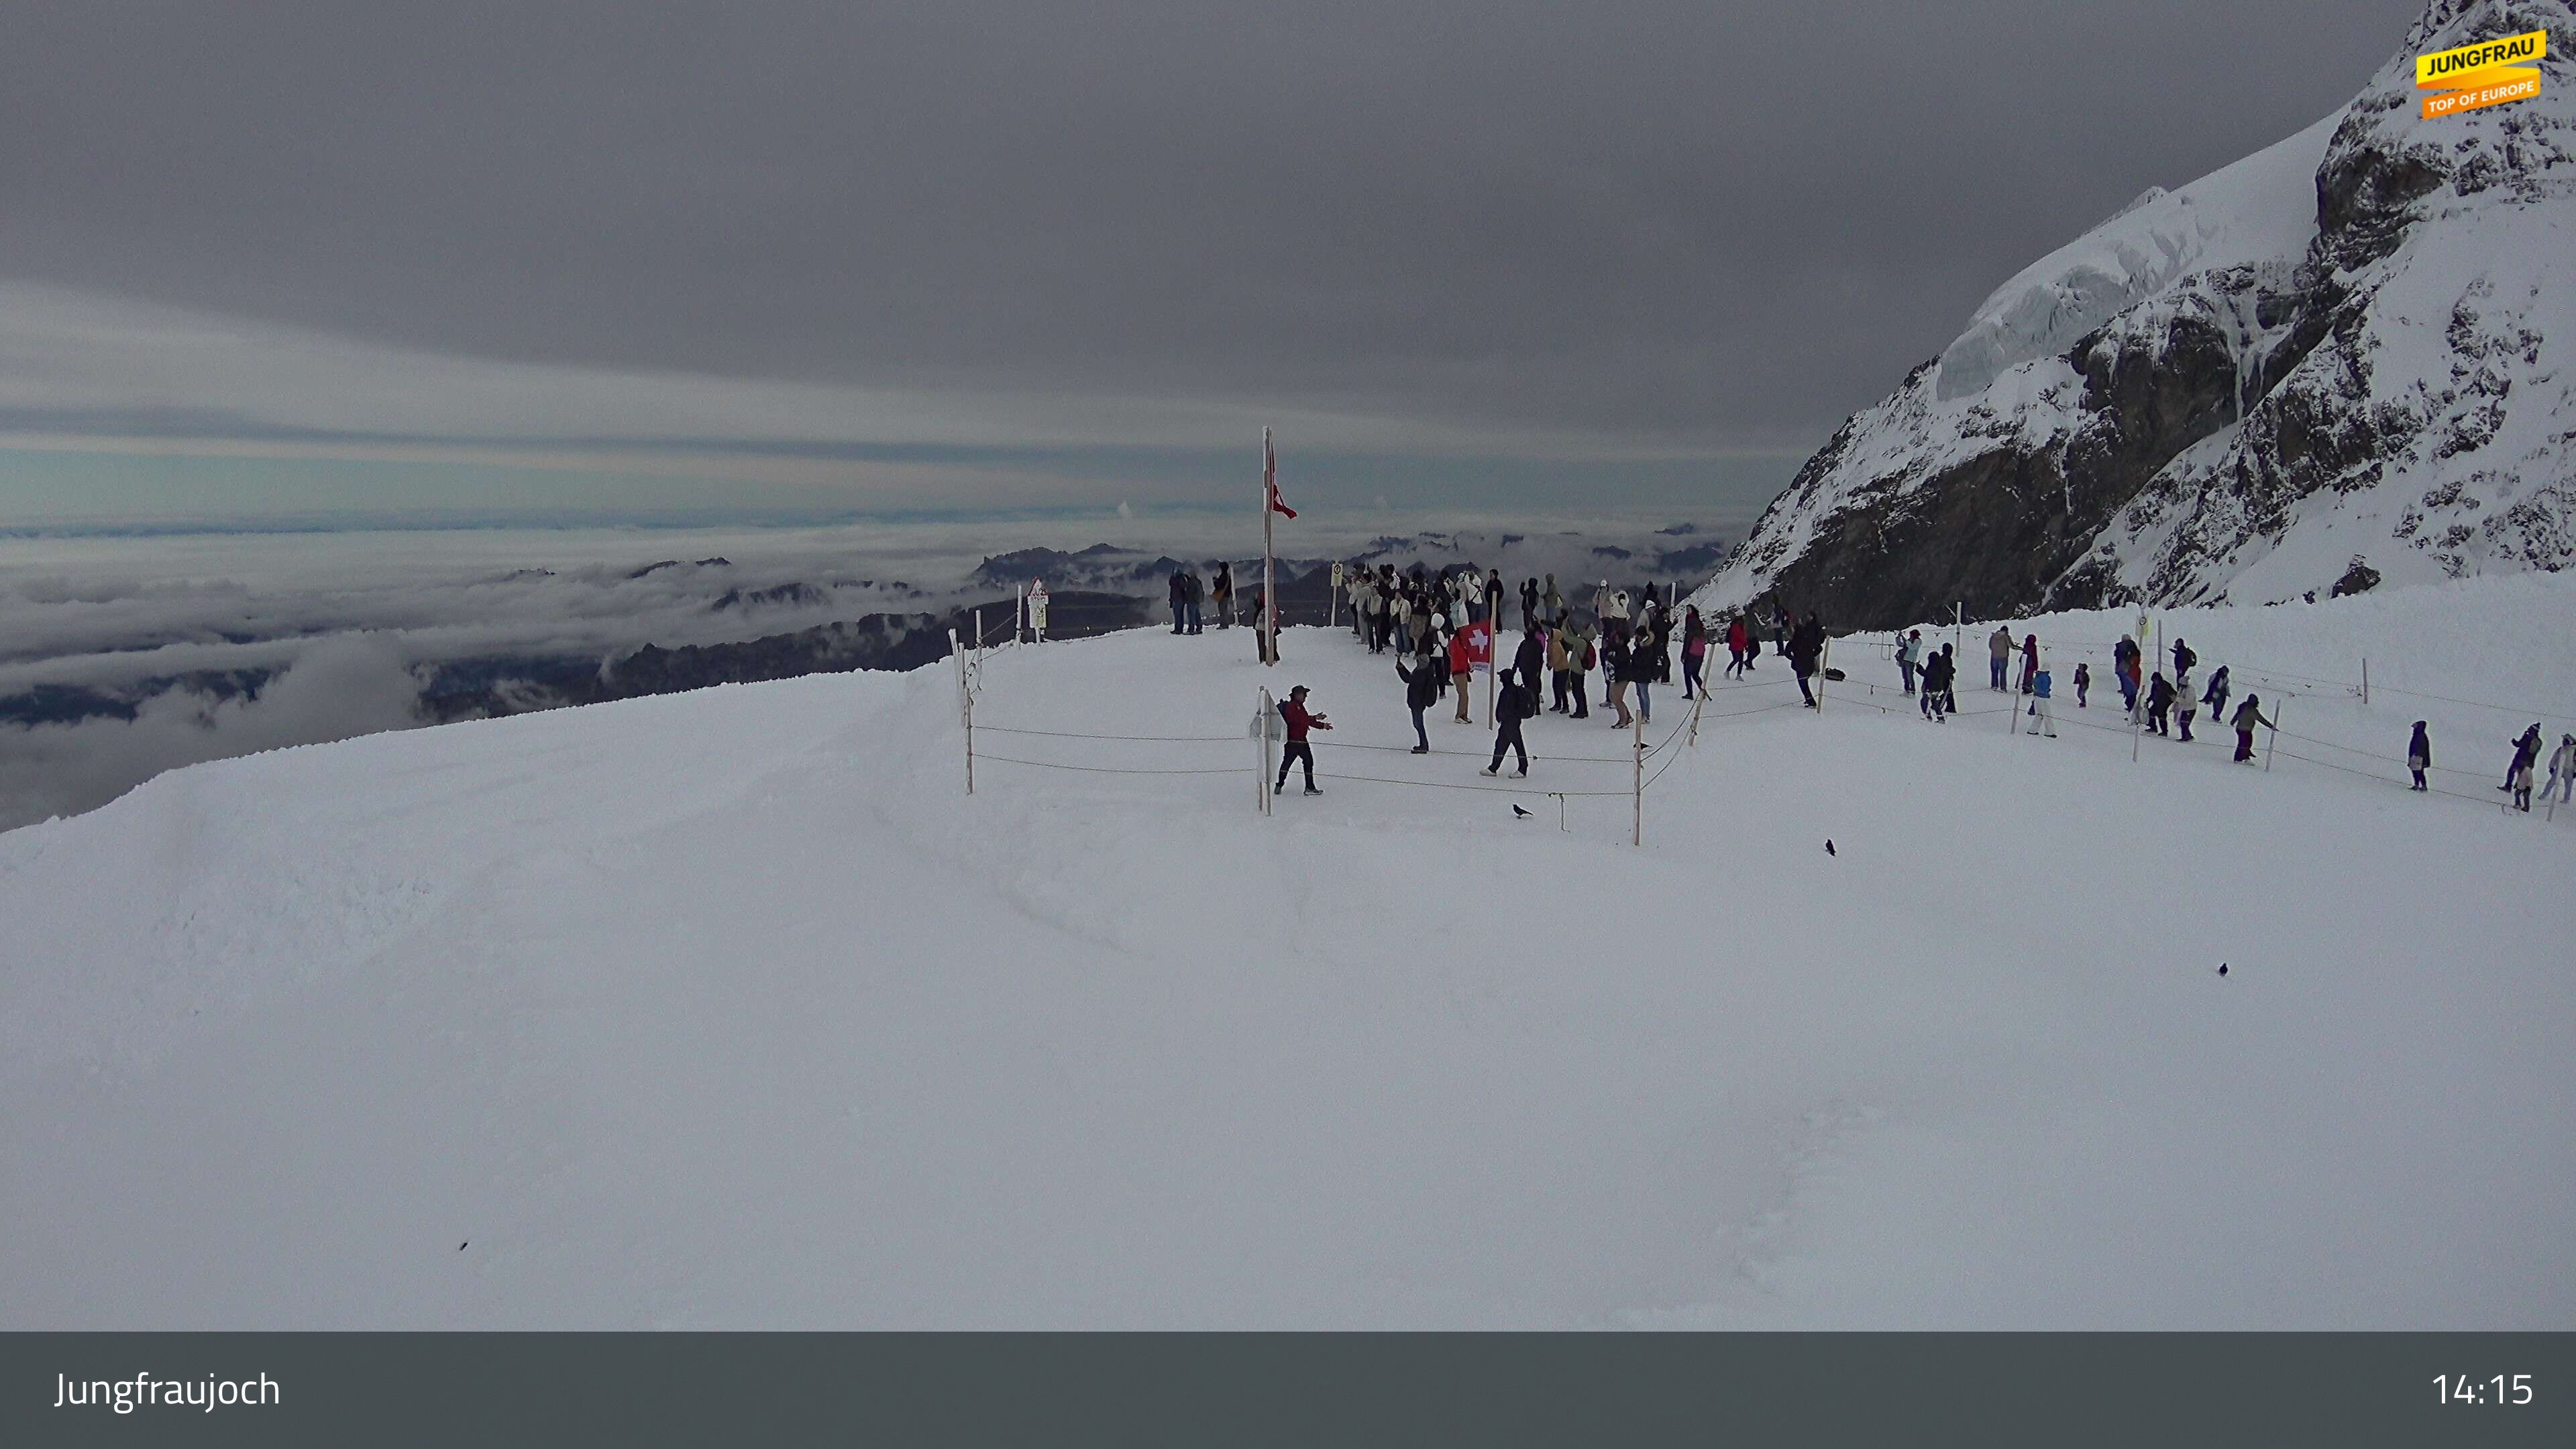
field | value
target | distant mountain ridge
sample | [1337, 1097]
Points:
[2349, 357]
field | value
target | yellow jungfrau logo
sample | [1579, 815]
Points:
[2489, 73]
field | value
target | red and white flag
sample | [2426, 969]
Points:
[1270, 476]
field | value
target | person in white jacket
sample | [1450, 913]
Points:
[2562, 770]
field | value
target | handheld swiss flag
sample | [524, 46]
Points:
[1270, 476]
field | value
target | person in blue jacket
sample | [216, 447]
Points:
[2041, 717]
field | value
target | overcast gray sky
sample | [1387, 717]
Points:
[1619, 230]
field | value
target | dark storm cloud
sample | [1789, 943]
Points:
[1698, 224]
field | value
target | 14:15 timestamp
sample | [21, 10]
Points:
[2494, 1389]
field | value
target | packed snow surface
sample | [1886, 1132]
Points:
[733, 1009]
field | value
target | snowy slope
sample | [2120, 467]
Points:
[2340, 360]
[2258, 212]
[730, 1008]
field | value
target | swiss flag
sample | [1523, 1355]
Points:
[1270, 476]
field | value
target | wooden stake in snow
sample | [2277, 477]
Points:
[965, 707]
[1637, 829]
[2275, 736]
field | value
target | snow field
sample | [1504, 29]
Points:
[731, 1009]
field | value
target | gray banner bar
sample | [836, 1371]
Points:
[1297, 1389]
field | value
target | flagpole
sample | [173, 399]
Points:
[1269, 574]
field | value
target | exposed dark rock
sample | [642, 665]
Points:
[2361, 578]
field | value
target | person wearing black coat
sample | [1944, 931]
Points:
[1422, 681]
[1806, 648]
[2419, 755]
[2525, 750]
[1512, 704]
[2160, 698]
[1939, 673]
[1530, 658]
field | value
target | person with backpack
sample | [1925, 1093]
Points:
[2160, 698]
[1558, 637]
[2083, 682]
[1429, 652]
[1513, 703]
[2562, 770]
[2216, 695]
[1529, 658]
[1615, 668]
[2419, 756]
[2124, 669]
[1909, 653]
[2183, 660]
[2042, 716]
[1300, 720]
[2525, 750]
[1579, 660]
[2248, 715]
[1222, 591]
[1421, 692]
[1998, 657]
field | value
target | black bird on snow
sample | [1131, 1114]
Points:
[1519, 814]
[1829, 847]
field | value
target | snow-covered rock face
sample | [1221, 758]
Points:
[2346, 355]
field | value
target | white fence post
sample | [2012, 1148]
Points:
[1261, 755]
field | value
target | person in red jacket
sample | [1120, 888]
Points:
[1299, 721]
[1739, 647]
[1462, 665]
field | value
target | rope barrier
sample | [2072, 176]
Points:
[1150, 739]
[1482, 789]
[980, 758]
[1472, 754]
